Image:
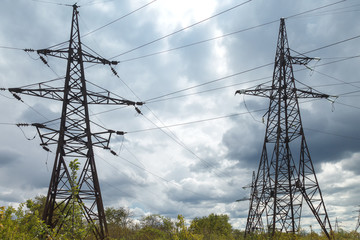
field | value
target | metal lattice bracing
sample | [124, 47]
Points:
[254, 221]
[74, 139]
[358, 222]
[281, 185]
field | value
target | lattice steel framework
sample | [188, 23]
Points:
[255, 212]
[74, 139]
[280, 185]
[358, 222]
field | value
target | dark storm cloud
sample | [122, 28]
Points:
[244, 141]
[243, 145]
[9, 197]
[8, 157]
[24, 172]
[332, 136]
[232, 147]
[184, 196]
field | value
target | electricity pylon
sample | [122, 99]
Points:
[280, 184]
[336, 230]
[358, 222]
[74, 139]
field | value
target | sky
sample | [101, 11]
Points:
[196, 144]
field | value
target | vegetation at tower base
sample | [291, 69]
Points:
[72, 223]
[212, 227]
[25, 223]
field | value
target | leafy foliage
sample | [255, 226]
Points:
[73, 225]
[25, 223]
[22, 223]
[212, 227]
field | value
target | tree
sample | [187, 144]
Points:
[212, 227]
[155, 226]
[182, 232]
[73, 225]
[119, 222]
[21, 223]
[119, 216]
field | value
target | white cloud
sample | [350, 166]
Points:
[154, 173]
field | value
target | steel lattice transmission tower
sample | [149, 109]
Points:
[280, 185]
[358, 221]
[74, 139]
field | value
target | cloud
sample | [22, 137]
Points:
[336, 127]
[195, 168]
[352, 163]
[8, 157]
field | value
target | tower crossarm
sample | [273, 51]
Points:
[43, 91]
[108, 99]
[86, 57]
[300, 60]
[49, 136]
[268, 92]
[309, 93]
[55, 93]
[258, 91]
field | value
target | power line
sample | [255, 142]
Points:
[193, 122]
[347, 93]
[161, 98]
[236, 115]
[126, 15]
[213, 119]
[106, 111]
[212, 81]
[183, 145]
[332, 44]
[249, 70]
[156, 99]
[191, 44]
[348, 105]
[337, 11]
[337, 79]
[96, 2]
[206, 91]
[337, 61]
[266, 24]
[333, 134]
[91, 32]
[11, 48]
[118, 189]
[226, 35]
[315, 9]
[153, 174]
[54, 3]
[10, 124]
[199, 42]
[171, 135]
[182, 29]
[211, 39]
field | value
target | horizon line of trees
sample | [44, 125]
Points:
[25, 223]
